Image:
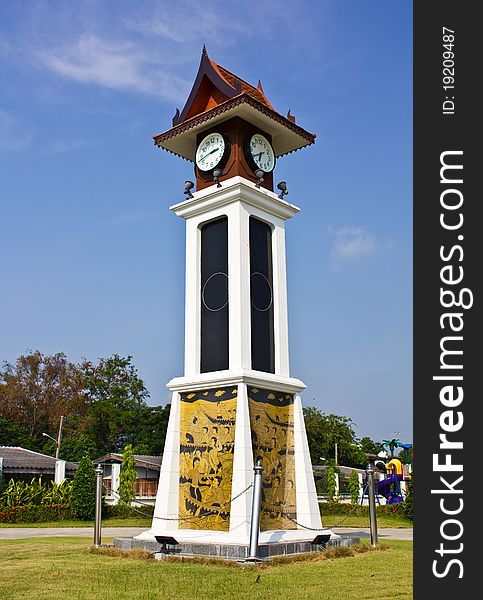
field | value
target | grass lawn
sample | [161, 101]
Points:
[333, 514]
[115, 522]
[55, 568]
[329, 520]
[361, 521]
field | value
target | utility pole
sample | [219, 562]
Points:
[336, 454]
[59, 438]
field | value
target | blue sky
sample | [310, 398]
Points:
[92, 261]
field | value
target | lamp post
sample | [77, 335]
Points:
[372, 505]
[59, 438]
[257, 499]
[98, 522]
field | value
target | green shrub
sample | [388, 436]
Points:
[127, 478]
[36, 514]
[354, 487]
[83, 496]
[35, 493]
[331, 484]
[126, 512]
[338, 508]
[58, 494]
[408, 504]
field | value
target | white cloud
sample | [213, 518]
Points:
[119, 66]
[144, 47]
[351, 243]
[190, 22]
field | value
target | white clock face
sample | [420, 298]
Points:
[210, 151]
[262, 152]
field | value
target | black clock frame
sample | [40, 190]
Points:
[226, 153]
[248, 155]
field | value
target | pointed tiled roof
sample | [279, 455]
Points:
[217, 93]
[234, 81]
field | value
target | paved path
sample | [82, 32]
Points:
[384, 533]
[15, 533]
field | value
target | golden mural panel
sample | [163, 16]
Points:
[271, 421]
[207, 442]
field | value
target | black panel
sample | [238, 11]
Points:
[261, 296]
[214, 296]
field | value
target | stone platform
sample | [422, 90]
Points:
[230, 551]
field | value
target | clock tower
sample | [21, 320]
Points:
[236, 401]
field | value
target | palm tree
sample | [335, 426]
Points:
[392, 445]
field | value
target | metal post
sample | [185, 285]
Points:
[372, 505]
[98, 521]
[257, 499]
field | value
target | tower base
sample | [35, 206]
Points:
[271, 544]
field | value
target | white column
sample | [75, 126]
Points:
[168, 489]
[115, 481]
[192, 343]
[242, 469]
[59, 471]
[280, 307]
[308, 512]
[239, 287]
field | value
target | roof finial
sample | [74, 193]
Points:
[176, 117]
[204, 52]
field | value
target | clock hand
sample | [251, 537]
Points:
[211, 152]
[259, 154]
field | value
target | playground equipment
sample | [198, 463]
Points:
[390, 486]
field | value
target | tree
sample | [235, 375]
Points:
[354, 487]
[331, 484]
[12, 434]
[370, 446]
[116, 397]
[37, 390]
[127, 478]
[104, 405]
[83, 496]
[392, 444]
[149, 431]
[315, 424]
[73, 447]
[324, 431]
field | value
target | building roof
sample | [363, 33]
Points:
[217, 95]
[344, 471]
[23, 460]
[142, 460]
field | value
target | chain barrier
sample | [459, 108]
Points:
[181, 518]
[332, 526]
[283, 513]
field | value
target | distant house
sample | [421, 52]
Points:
[147, 476]
[21, 464]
